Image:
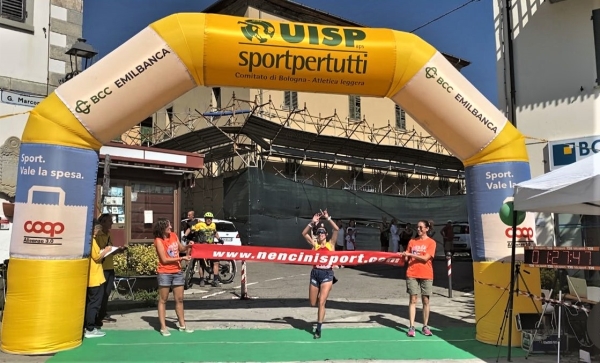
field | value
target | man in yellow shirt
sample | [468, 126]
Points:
[207, 232]
[95, 289]
[103, 239]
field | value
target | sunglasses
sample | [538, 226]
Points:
[321, 231]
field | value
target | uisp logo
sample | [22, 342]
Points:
[257, 29]
[294, 33]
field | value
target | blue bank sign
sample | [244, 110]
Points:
[565, 152]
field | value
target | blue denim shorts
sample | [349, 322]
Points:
[175, 279]
[320, 276]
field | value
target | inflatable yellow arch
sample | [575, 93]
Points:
[50, 245]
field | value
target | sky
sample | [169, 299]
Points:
[467, 33]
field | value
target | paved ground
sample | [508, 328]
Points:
[366, 297]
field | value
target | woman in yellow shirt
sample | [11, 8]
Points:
[95, 289]
[321, 276]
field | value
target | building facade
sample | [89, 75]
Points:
[34, 36]
[350, 121]
[142, 185]
[556, 65]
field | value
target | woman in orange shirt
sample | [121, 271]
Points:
[321, 276]
[419, 275]
[169, 273]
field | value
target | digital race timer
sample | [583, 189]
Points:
[578, 258]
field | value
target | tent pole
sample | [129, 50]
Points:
[556, 229]
[512, 281]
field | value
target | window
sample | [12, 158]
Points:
[293, 167]
[400, 118]
[596, 27]
[114, 204]
[148, 203]
[146, 131]
[290, 100]
[217, 93]
[225, 227]
[460, 229]
[354, 110]
[17, 14]
[170, 114]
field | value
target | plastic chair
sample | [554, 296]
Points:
[125, 282]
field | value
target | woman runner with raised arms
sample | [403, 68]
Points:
[321, 276]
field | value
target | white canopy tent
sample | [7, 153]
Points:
[572, 189]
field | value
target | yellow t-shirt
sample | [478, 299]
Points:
[103, 240]
[327, 246]
[206, 232]
[96, 276]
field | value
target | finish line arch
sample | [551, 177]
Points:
[48, 269]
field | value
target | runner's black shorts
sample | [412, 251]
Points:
[320, 276]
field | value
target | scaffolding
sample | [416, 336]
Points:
[250, 134]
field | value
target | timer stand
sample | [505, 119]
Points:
[508, 311]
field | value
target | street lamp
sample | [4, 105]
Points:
[79, 52]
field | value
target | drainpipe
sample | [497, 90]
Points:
[509, 89]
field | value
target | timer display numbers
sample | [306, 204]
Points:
[576, 258]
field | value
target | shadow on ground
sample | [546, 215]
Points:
[447, 326]
[462, 273]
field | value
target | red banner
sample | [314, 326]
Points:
[294, 256]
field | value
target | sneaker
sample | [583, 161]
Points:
[215, 283]
[426, 331]
[185, 329]
[411, 332]
[165, 333]
[202, 283]
[109, 319]
[317, 334]
[94, 333]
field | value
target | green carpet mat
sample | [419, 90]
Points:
[269, 345]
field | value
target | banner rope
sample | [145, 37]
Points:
[535, 297]
[14, 114]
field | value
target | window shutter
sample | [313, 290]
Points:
[290, 100]
[400, 118]
[294, 97]
[13, 10]
[354, 108]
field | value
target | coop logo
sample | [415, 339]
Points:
[524, 236]
[257, 29]
[47, 228]
[525, 232]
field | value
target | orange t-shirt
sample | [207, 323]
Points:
[417, 269]
[171, 247]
